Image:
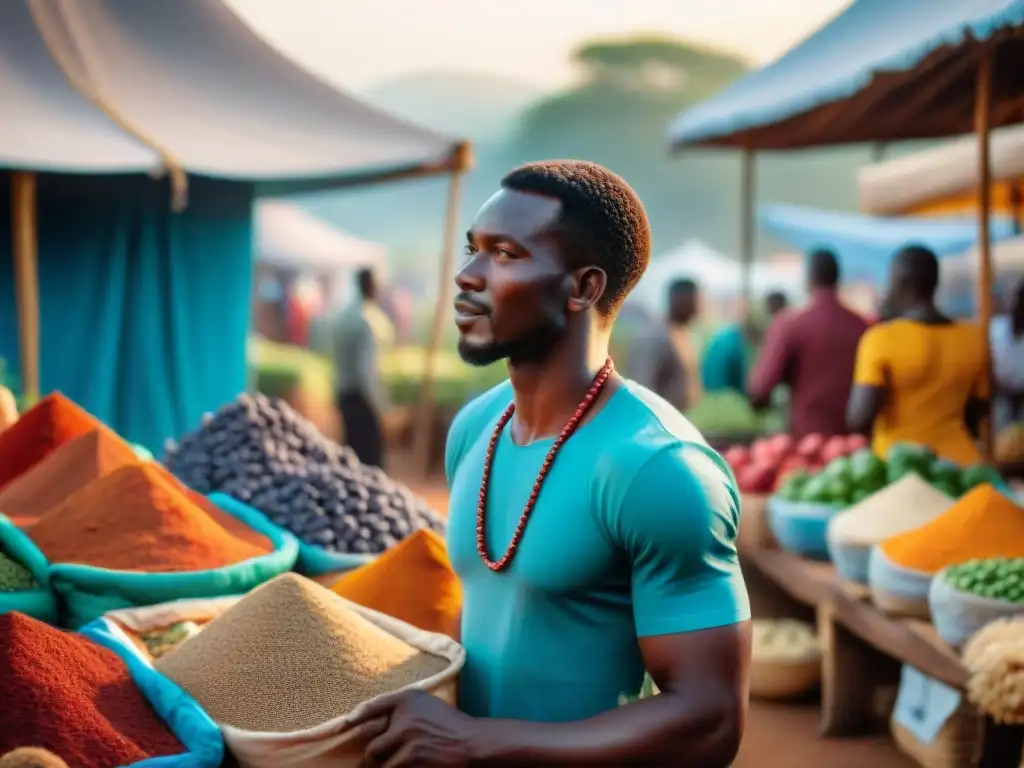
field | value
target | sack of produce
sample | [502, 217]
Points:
[801, 527]
[282, 670]
[87, 698]
[898, 591]
[24, 582]
[786, 659]
[260, 451]
[134, 537]
[966, 597]
[983, 523]
[413, 582]
[201, 737]
[901, 506]
[156, 630]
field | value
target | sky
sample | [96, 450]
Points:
[359, 43]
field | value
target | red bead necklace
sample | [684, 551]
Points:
[571, 426]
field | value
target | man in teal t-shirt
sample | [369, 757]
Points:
[727, 356]
[606, 543]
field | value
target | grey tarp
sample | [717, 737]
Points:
[192, 77]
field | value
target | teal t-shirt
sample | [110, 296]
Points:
[633, 535]
[724, 363]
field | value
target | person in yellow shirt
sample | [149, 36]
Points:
[920, 376]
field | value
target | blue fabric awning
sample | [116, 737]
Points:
[841, 60]
[864, 244]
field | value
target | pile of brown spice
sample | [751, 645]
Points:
[67, 469]
[46, 426]
[135, 518]
[290, 656]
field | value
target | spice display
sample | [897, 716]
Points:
[74, 698]
[784, 640]
[413, 582]
[262, 452]
[982, 524]
[14, 577]
[31, 757]
[998, 578]
[66, 470]
[135, 519]
[908, 503]
[160, 642]
[291, 655]
[995, 658]
[49, 424]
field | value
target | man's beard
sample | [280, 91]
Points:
[531, 348]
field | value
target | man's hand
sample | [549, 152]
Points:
[413, 729]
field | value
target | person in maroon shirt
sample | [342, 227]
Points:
[812, 351]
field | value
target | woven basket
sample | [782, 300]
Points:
[957, 745]
[772, 680]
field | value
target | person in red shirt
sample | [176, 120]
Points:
[812, 351]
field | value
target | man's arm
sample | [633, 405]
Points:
[773, 365]
[870, 382]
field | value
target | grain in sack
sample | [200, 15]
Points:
[282, 670]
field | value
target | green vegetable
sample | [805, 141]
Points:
[839, 489]
[979, 474]
[868, 472]
[817, 490]
[945, 475]
[907, 457]
[838, 469]
[14, 577]
[793, 486]
[997, 578]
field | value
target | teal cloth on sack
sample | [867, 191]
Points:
[39, 603]
[202, 739]
[88, 592]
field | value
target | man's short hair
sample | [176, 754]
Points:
[823, 269]
[602, 221]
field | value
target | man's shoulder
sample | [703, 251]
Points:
[482, 408]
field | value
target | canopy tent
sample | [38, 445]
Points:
[1007, 257]
[944, 178]
[714, 272]
[864, 244]
[99, 97]
[860, 76]
[289, 237]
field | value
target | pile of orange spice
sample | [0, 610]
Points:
[982, 524]
[46, 426]
[413, 581]
[137, 518]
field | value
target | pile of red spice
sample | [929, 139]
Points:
[66, 694]
[49, 424]
[138, 518]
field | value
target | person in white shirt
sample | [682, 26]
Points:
[359, 335]
[1006, 338]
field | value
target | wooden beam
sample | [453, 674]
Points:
[26, 280]
[748, 191]
[982, 127]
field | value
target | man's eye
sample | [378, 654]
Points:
[502, 254]
[469, 250]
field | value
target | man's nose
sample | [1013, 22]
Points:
[470, 277]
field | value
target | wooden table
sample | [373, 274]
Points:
[863, 650]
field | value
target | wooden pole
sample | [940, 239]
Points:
[423, 435]
[26, 280]
[982, 127]
[747, 184]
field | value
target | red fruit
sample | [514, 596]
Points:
[737, 457]
[782, 445]
[756, 478]
[810, 445]
[856, 443]
[834, 448]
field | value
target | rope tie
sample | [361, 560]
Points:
[65, 56]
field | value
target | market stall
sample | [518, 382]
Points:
[131, 223]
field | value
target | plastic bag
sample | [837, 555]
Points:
[39, 603]
[188, 721]
[336, 744]
[896, 590]
[801, 527]
[88, 592]
[958, 615]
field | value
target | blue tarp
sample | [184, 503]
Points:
[840, 59]
[144, 313]
[864, 244]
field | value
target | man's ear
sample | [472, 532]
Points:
[588, 286]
